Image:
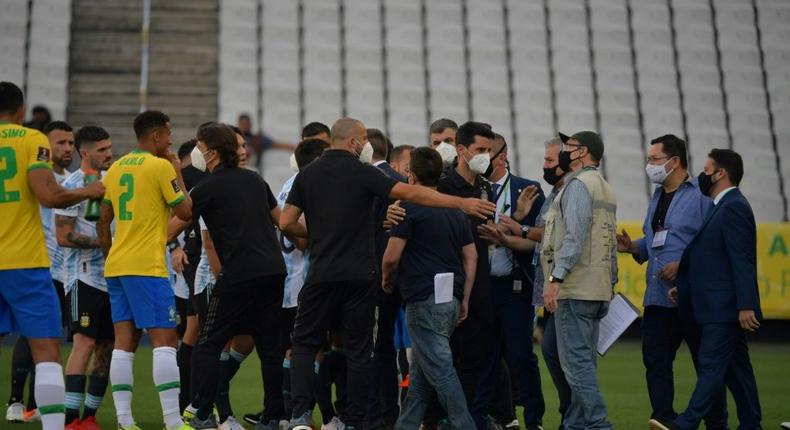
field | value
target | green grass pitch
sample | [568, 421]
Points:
[621, 376]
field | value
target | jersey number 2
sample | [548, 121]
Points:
[7, 157]
[127, 180]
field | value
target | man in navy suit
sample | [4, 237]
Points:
[382, 404]
[717, 289]
[512, 280]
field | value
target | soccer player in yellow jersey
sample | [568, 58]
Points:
[28, 303]
[143, 187]
[61, 142]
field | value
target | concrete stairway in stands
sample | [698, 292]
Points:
[105, 65]
[184, 66]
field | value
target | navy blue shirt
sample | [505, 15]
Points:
[434, 237]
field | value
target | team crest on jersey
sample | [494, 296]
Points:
[85, 321]
[43, 154]
[174, 183]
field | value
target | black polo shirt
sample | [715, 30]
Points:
[336, 194]
[193, 242]
[192, 176]
[236, 205]
[454, 184]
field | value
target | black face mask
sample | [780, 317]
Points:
[565, 160]
[490, 169]
[705, 182]
[550, 175]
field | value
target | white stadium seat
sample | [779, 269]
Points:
[434, 63]
[48, 53]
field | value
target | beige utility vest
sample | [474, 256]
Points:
[591, 277]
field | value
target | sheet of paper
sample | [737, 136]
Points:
[443, 287]
[660, 238]
[621, 315]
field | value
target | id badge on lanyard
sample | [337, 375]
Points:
[660, 238]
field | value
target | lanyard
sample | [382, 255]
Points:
[505, 187]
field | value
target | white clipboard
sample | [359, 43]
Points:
[622, 313]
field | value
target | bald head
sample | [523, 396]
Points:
[345, 129]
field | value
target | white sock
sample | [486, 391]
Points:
[166, 379]
[50, 392]
[236, 355]
[122, 380]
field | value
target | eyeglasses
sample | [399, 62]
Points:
[573, 147]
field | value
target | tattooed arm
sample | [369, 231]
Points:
[103, 228]
[67, 235]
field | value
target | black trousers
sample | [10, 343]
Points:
[249, 307]
[662, 333]
[190, 270]
[514, 315]
[383, 407]
[351, 306]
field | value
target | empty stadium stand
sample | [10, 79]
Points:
[712, 71]
[716, 72]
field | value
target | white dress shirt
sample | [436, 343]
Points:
[500, 257]
[721, 195]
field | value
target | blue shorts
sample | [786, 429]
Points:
[401, 338]
[29, 304]
[146, 300]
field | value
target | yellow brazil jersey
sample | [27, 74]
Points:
[22, 244]
[141, 188]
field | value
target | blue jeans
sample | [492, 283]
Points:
[430, 326]
[549, 347]
[576, 322]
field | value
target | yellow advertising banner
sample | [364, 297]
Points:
[773, 269]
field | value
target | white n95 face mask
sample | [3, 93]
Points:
[657, 174]
[366, 156]
[197, 159]
[479, 163]
[447, 152]
[292, 162]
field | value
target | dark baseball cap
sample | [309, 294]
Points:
[589, 139]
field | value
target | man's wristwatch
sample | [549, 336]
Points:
[524, 231]
[172, 246]
[552, 279]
